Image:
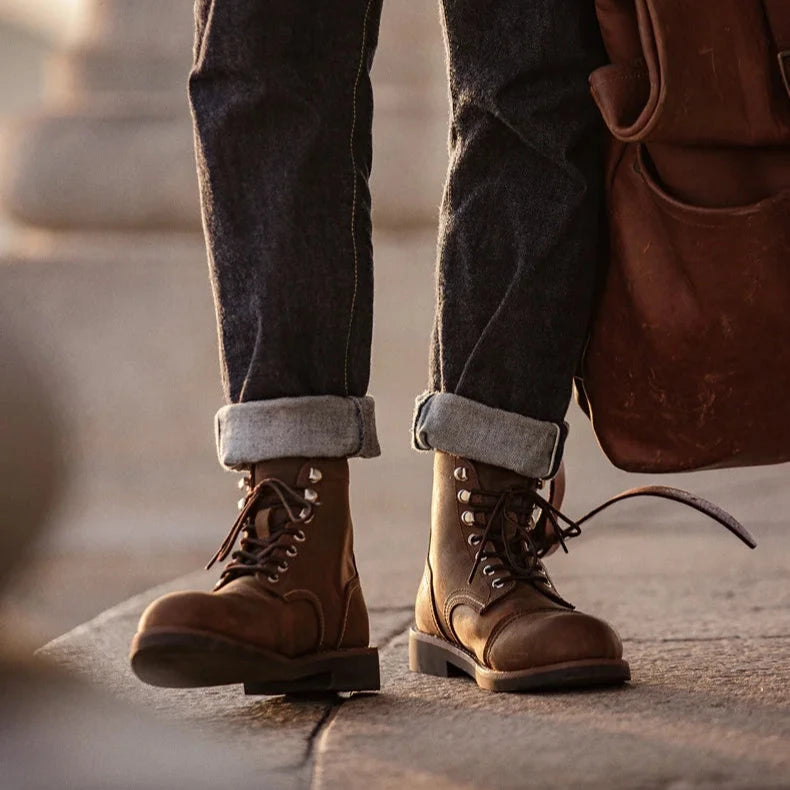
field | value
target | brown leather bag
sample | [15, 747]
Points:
[688, 360]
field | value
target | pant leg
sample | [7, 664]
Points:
[282, 107]
[518, 242]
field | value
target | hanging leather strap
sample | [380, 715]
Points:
[778, 14]
[685, 498]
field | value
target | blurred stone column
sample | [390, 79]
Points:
[110, 156]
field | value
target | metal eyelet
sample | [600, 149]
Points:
[464, 496]
[274, 579]
[461, 474]
[300, 536]
[474, 540]
[311, 495]
[282, 567]
[244, 482]
[488, 571]
[306, 514]
[240, 503]
[292, 551]
[498, 583]
[314, 475]
[541, 484]
[468, 517]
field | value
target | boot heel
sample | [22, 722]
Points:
[426, 658]
[358, 672]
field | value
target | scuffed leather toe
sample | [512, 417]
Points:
[237, 617]
[538, 639]
[189, 610]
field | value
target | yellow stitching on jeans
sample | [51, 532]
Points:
[354, 193]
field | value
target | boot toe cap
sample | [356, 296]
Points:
[184, 610]
[555, 637]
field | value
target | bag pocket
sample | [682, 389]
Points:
[689, 356]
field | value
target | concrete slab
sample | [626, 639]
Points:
[273, 736]
[712, 714]
[706, 629]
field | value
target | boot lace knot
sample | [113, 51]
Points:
[267, 555]
[513, 542]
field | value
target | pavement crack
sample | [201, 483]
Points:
[333, 710]
[386, 609]
[326, 719]
[681, 639]
[394, 633]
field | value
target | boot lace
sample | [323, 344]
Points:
[268, 555]
[513, 542]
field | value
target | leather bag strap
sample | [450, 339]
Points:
[777, 13]
[684, 497]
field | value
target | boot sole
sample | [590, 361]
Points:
[192, 659]
[432, 655]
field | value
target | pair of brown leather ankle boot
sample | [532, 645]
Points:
[288, 615]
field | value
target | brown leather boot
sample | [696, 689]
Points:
[287, 614]
[486, 605]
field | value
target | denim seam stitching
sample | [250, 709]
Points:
[449, 187]
[354, 194]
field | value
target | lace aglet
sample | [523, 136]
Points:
[218, 557]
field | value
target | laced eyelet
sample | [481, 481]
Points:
[273, 578]
[240, 503]
[292, 551]
[468, 517]
[282, 567]
[488, 571]
[461, 474]
[464, 496]
[311, 495]
[300, 536]
[306, 514]
[244, 482]
[498, 583]
[474, 540]
[314, 475]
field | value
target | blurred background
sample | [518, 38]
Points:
[104, 286]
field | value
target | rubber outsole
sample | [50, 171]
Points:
[432, 655]
[190, 659]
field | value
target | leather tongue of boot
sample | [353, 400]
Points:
[495, 479]
[268, 520]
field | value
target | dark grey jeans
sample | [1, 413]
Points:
[283, 106]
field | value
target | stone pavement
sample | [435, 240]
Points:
[705, 625]
[705, 622]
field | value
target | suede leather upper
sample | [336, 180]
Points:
[315, 604]
[520, 625]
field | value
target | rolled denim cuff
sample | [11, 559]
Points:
[314, 426]
[454, 424]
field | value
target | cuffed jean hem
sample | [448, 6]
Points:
[314, 426]
[454, 424]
